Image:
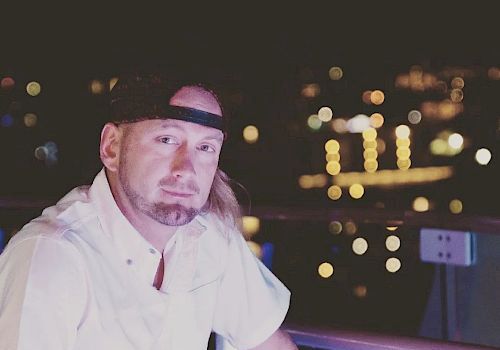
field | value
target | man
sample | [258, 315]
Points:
[149, 256]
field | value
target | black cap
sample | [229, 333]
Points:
[142, 96]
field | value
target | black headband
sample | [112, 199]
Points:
[194, 116]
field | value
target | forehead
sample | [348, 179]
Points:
[149, 126]
[198, 98]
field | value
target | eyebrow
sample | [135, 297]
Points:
[169, 123]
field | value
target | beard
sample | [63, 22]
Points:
[167, 214]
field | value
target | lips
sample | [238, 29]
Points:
[177, 193]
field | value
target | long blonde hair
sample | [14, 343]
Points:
[222, 202]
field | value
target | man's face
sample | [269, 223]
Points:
[167, 167]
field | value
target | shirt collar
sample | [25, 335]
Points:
[133, 249]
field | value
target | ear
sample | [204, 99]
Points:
[109, 150]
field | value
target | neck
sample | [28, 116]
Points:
[153, 231]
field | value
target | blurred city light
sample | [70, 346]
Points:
[359, 246]
[250, 134]
[325, 270]
[393, 265]
[335, 73]
[483, 156]
[33, 88]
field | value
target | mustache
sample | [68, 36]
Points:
[173, 184]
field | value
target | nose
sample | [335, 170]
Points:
[182, 164]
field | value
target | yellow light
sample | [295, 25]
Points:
[369, 134]
[359, 246]
[325, 270]
[392, 264]
[421, 204]
[392, 243]
[335, 227]
[366, 97]
[310, 90]
[313, 122]
[483, 156]
[402, 132]
[456, 95]
[369, 144]
[96, 87]
[403, 153]
[332, 146]
[360, 291]
[334, 192]
[306, 181]
[33, 88]
[251, 134]
[255, 248]
[251, 225]
[370, 165]
[377, 97]
[456, 141]
[456, 206]
[320, 180]
[370, 153]
[350, 227]
[438, 147]
[376, 120]
[457, 83]
[403, 143]
[325, 114]
[403, 164]
[356, 191]
[332, 157]
[112, 83]
[30, 120]
[335, 73]
[333, 168]
[391, 228]
[414, 116]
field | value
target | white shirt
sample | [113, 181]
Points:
[81, 277]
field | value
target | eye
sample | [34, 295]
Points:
[207, 148]
[168, 140]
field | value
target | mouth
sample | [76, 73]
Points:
[178, 194]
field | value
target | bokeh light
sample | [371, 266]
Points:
[377, 97]
[250, 134]
[359, 246]
[376, 120]
[483, 156]
[33, 88]
[332, 146]
[455, 141]
[421, 204]
[403, 132]
[457, 83]
[335, 227]
[7, 83]
[251, 225]
[456, 206]
[333, 168]
[334, 192]
[360, 291]
[414, 116]
[392, 243]
[96, 87]
[393, 265]
[325, 114]
[366, 97]
[30, 120]
[313, 122]
[369, 134]
[325, 270]
[335, 73]
[356, 191]
[350, 227]
[7, 120]
[310, 90]
[112, 83]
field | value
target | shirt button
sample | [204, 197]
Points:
[152, 251]
[129, 261]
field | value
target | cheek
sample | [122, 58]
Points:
[206, 180]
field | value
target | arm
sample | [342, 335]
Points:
[279, 340]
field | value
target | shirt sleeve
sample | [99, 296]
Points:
[252, 303]
[42, 295]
